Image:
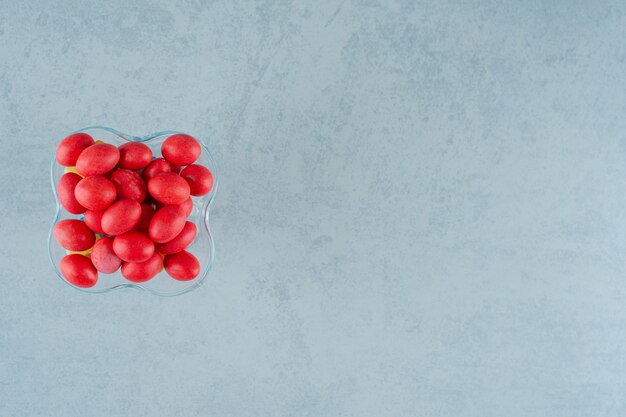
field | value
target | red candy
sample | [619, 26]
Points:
[147, 211]
[182, 266]
[73, 235]
[70, 148]
[156, 167]
[142, 271]
[121, 217]
[95, 192]
[133, 246]
[117, 190]
[93, 220]
[167, 223]
[199, 178]
[169, 188]
[103, 257]
[79, 271]
[97, 159]
[181, 241]
[129, 184]
[134, 155]
[181, 149]
[187, 205]
[65, 190]
[176, 169]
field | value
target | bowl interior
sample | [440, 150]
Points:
[202, 246]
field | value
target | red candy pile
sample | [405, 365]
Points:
[135, 208]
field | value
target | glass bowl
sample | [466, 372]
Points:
[202, 247]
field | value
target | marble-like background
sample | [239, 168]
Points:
[422, 208]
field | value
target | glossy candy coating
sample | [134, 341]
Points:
[121, 217]
[134, 155]
[79, 271]
[129, 184]
[133, 246]
[199, 178]
[157, 166]
[85, 252]
[95, 192]
[187, 206]
[182, 266]
[176, 168]
[70, 148]
[181, 149]
[97, 159]
[181, 241]
[67, 197]
[169, 188]
[143, 271]
[73, 235]
[147, 211]
[167, 223]
[93, 220]
[103, 257]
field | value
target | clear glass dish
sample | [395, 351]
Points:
[202, 247]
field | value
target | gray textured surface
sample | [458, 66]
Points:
[421, 213]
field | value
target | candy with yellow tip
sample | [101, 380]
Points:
[84, 252]
[73, 169]
[70, 169]
[163, 258]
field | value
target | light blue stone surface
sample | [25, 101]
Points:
[422, 208]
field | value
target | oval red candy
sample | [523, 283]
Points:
[142, 271]
[187, 206]
[169, 188]
[93, 220]
[97, 159]
[181, 149]
[121, 217]
[182, 266]
[73, 235]
[181, 241]
[70, 148]
[133, 246]
[79, 271]
[65, 190]
[167, 223]
[147, 211]
[134, 155]
[176, 168]
[129, 184]
[95, 192]
[103, 257]
[157, 166]
[199, 178]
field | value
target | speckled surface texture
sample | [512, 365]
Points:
[421, 209]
